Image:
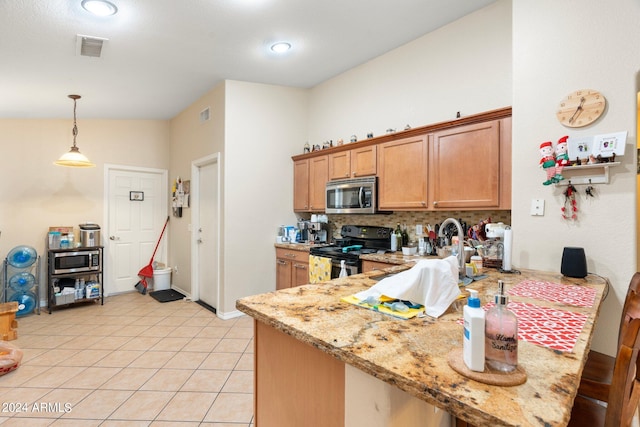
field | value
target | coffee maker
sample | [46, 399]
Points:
[304, 227]
[318, 232]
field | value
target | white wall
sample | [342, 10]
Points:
[265, 125]
[464, 66]
[37, 194]
[559, 47]
[192, 139]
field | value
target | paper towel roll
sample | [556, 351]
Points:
[508, 243]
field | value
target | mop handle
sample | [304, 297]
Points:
[158, 244]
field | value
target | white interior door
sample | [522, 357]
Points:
[136, 212]
[206, 199]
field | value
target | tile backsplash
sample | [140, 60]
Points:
[410, 219]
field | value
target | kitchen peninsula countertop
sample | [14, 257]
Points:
[412, 354]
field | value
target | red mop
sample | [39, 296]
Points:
[147, 271]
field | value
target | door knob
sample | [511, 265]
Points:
[114, 238]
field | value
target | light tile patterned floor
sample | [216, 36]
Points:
[132, 362]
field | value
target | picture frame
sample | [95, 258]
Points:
[136, 196]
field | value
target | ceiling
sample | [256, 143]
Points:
[162, 55]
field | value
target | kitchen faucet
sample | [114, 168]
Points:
[460, 240]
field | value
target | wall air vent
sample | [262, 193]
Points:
[205, 115]
[90, 46]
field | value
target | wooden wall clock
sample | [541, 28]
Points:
[581, 108]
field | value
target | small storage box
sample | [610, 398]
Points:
[62, 299]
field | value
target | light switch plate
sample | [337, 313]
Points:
[537, 207]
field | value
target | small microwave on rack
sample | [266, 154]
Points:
[352, 196]
[75, 261]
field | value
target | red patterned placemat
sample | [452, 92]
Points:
[548, 327]
[579, 296]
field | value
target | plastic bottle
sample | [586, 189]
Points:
[398, 237]
[474, 333]
[343, 269]
[501, 334]
[477, 261]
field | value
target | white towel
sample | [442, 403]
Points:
[432, 283]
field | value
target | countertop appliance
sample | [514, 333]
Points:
[67, 261]
[89, 235]
[355, 240]
[352, 196]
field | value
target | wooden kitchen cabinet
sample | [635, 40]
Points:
[462, 164]
[301, 185]
[402, 172]
[292, 268]
[354, 163]
[375, 265]
[310, 178]
[467, 165]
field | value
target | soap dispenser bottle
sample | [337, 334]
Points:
[474, 326]
[501, 334]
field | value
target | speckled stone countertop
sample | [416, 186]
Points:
[412, 354]
[298, 246]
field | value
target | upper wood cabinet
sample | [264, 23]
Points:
[402, 172]
[464, 167]
[318, 177]
[301, 185]
[310, 178]
[354, 163]
[459, 164]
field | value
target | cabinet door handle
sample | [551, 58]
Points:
[281, 262]
[434, 203]
[300, 266]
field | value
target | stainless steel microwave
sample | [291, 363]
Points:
[78, 261]
[352, 196]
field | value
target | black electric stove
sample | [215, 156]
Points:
[356, 240]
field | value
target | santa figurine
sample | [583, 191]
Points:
[548, 162]
[562, 157]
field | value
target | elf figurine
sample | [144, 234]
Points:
[562, 157]
[548, 162]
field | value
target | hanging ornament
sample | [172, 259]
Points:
[570, 208]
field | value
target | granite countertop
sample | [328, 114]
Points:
[412, 354]
[299, 246]
[395, 258]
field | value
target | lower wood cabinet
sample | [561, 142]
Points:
[295, 383]
[374, 265]
[292, 268]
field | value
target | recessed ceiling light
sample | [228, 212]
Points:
[280, 47]
[99, 7]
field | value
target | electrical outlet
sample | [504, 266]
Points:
[175, 269]
[537, 207]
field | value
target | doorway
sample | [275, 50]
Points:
[136, 208]
[205, 236]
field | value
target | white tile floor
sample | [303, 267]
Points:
[132, 362]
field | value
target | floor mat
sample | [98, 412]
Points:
[166, 295]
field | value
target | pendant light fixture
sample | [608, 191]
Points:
[74, 158]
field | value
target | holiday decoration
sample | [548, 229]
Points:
[562, 157]
[548, 162]
[570, 208]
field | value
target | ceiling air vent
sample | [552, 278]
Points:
[90, 46]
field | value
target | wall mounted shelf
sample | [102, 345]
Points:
[597, 173]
